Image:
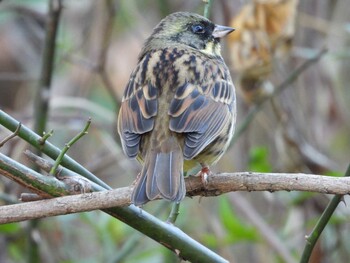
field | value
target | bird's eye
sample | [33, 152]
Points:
[198, 29]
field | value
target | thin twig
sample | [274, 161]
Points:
[174, 213]
[68, 145]
[45, 136]
[321, 224]
[14, 134]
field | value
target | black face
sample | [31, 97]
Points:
[203, 30]
[196, 34]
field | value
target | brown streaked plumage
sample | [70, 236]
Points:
[178, 108]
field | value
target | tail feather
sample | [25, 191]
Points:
[161, 177]
[139, 196]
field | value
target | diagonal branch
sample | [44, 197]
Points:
[321, 224]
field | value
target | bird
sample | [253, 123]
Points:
[179, 106]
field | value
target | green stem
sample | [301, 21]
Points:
[207, 7]
[49, 149]
[45, 137]
[321, 224]
[174, 213]
[68, 145]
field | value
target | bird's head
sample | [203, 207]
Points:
[189, 29]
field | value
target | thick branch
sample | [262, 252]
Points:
[65, 205]
[217, 184]
[249, 181]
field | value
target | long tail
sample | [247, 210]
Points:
[161, 177]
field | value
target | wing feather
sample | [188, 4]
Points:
[201, 110]
[138, 109]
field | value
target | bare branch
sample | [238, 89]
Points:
[249, 181]
[217, 184]
[65, 205]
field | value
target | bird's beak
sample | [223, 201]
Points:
[221, 31]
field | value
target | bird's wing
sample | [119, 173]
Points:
[138, 108]
[202, 108]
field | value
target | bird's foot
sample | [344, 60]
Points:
[204, 173]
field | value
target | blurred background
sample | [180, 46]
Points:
[305, 128]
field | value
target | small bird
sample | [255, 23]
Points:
[179, 106]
